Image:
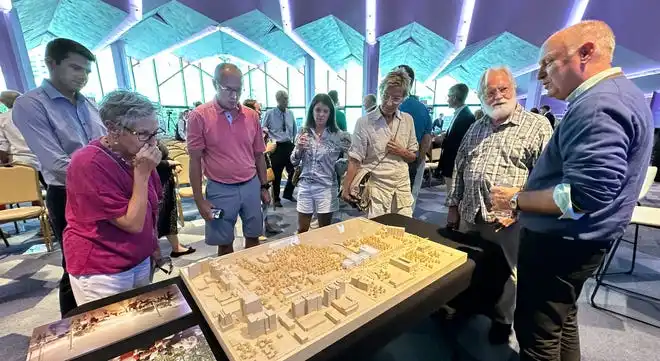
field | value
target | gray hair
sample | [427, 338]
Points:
[124, 108]
[484, 79]
[398, 77]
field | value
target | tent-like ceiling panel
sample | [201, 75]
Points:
[260, 29]
[168, 25]
[504, 49]
[87, 21]
[440, 17]
[35, 17]
[333, 40]
[219, 44]
[416, 46]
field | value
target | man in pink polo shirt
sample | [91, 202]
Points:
[225, 140]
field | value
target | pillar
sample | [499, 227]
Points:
[309, 79]
[534, 90]
[119, 58]
[14, 59]
[370, 68]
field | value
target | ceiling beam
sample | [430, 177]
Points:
[133, 17]
[212, 29]
[243, 39]
[285, 10]
[462, 33]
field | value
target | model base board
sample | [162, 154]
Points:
[289, 299]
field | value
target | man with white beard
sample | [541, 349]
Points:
[500, 149]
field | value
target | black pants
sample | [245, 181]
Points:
[281, 158]
[551, 273]
[56, 204]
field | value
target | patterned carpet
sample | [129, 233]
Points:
[29, 298]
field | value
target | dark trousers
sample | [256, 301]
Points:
[412, 172]
[281, 159]
[551, 273]
[56, 204]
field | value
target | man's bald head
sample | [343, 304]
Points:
[228, 81]
[594, 32]
[573, 55]
[225, 69]
[369, 101]
[8, 97]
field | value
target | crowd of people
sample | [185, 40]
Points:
[552, 199]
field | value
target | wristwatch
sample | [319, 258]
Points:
[265, 186]
[513, 203]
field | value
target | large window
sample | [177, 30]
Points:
[144, 75]
[193, 78]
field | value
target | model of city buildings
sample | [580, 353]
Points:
[290, 299]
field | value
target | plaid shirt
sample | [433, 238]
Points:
[496, 156]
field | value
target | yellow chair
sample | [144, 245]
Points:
[182, 179]
[19, 184]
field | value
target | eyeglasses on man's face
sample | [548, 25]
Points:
[492, 93]
[230, 90]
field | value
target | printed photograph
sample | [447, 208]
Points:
[187, 345]
[79, 335]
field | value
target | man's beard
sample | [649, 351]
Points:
[502, 111]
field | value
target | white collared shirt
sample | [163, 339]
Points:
[12, 142]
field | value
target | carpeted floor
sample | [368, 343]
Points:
[29, 298]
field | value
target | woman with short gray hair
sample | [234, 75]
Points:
[383, 143]
[113, 192]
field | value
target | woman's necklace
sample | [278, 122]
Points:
[106, 144]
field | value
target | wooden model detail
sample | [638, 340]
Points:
[287, 300]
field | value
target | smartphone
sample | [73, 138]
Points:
[217, 213]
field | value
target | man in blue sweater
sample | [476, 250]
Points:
[582, 191]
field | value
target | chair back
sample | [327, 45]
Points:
[435, 154]
[648, 182]
[19, 183]
[184, 176]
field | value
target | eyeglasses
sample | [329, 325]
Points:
[144, 136]
[394, 100]
[229, 90]
[506, 92]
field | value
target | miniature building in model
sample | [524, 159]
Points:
[224, 319]
[361, 282]
[250, 303]
[261, 323]
[298, 307]
[345, 305]
[312, 303]
[402, 263]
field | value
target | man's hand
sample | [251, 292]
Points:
[265, 196]
[500, 198]
[453, 218]
[205, 209]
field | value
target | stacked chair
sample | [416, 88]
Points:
[642, 216]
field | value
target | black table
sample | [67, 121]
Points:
[358, 344]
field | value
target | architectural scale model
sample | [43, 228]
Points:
[290, 299]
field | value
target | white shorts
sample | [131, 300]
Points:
[316, 198]
[90, 288]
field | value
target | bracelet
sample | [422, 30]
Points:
[265, 186]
